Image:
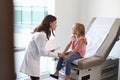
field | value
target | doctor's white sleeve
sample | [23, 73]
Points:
[41, 42]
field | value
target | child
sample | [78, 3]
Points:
[78, 43]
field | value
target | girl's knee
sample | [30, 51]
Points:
[69, 60]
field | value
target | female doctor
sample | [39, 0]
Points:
[36, 47]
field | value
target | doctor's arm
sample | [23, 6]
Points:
[41, 44]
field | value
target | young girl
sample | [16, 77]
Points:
[78, 43]
[36, 47]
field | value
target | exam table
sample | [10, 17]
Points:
[97, 65]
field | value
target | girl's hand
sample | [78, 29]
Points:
[61, 55]
[65, 57]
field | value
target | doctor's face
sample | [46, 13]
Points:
[53, 25]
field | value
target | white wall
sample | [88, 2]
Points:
[98, 8]
[67, 12]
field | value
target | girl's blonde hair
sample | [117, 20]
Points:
[80, 29]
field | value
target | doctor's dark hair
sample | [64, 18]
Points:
[45, 25]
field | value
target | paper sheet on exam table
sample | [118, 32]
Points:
[115, 52]
[97, 33]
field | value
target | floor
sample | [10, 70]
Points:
[47, 77]
[43, 77]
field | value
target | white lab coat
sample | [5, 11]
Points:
[34, 50]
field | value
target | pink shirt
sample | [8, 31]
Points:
[82, 49]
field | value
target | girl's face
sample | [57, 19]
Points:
[53, 25]
[74, 29]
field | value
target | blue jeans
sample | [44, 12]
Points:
[67, 62]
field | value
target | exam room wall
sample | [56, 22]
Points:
[70, 11]
[67, 12]
[98, 8]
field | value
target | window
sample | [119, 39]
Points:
[28, 15]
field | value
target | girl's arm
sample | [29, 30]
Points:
[80, 42]
[67, 47]
[69, 44]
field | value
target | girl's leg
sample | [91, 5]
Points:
[58, 68]
[67, 77]
[68, 64]
[59, 64]
[34, 78]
